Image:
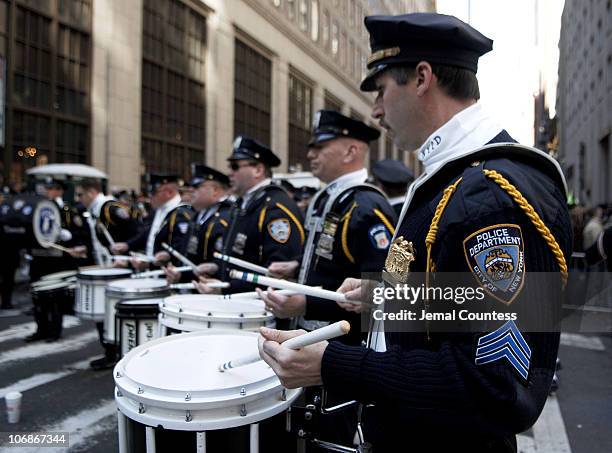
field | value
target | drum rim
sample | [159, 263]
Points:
[62, 275]
[83, 275]
[118, 292]
[175, 310]
[54, 285]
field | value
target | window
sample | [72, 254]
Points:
[303, 16]
[252, 93]
[331, 102]
[173, 87]
[326, 30]
[334, 38]
[314, 20]
[300, 120]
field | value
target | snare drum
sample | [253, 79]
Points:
[130, 289]
[64, 275]
[193, 312]
[90, 293]
[169, 391]
[54, 297]
[136, 323]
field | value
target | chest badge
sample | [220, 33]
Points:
[399, 258]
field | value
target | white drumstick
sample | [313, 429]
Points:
[241, 263]
[255, 295]
[284, 284]
[159, 272]
[142, 257]
[192, 286]
[53, 245]
[106, 233]
[334, 330]
[127, 258]
[183, 259]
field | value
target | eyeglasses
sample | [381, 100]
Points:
[235, 166]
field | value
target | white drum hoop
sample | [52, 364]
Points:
[194, 312]
[245, 399]
[63, 275]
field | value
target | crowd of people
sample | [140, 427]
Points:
[478, 186]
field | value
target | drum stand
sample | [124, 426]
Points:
[307, 422]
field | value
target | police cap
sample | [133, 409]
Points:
[330, 124]
[202, 173]
[246, 148]
[392, 171]
[432, 37]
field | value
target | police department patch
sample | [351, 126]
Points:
[496, 257]
[183, 227]
[379, 236]
[280, 230]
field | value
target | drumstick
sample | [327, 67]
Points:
[192, 285]
[159, 272]
[179, 256]
[57, 246]
[241, 263]
[255, 295]
[127, 258]
[142, 257]
[284, 284]
[106, 233]
[324, 333]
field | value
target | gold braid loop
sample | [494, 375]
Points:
[433, 229]
[534, 217]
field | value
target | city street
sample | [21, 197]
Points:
[61, 393]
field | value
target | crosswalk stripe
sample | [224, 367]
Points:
[44, 349]
[44, 378]
[549, 435]
[20, 331]
[81, 426]
[582, 341]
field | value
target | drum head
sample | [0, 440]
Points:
[59, 275]
[138, 285]
[46, 222]
[214, 306]
[108, 273]
[160, 380]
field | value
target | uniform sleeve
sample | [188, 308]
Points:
[498, 379]
[180, 230]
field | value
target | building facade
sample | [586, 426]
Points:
[153, 85]
[584, 99]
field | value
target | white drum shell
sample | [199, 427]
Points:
[192, 313]
[254, 395]
[129, 289]
[90, 291]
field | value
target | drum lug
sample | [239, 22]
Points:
[188, 416]
[188, 397]
[118, 375]
[141, 408]
[242, 391]
[140, 390]
[119, 394]
[243, 411]
[284, 395]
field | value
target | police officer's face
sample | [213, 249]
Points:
[396, 109]
[205, 195]
[244, 174]
[327, 158]
[85, 196]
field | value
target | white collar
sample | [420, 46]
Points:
[354, 177]
[170, 204]
[59, 201]
[96, 204]
[247, 196]
[469, 129]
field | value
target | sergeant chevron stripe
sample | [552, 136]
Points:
[505, 342]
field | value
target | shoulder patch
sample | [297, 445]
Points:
[379, 236]
[280, 230]
[495, 255]
[78, 221]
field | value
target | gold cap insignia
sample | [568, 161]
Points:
[383, 53]
[397, 264]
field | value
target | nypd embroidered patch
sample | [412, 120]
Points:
[280, 230]
[495, 256]
[379, 236]
[505, 343]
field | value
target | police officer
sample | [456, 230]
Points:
[349, 226]
[393, 178]
[486, 207]
[266, 225]
[171, 223]
[212, 204]
[49, 314]
[349, 223]
[108, 220]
